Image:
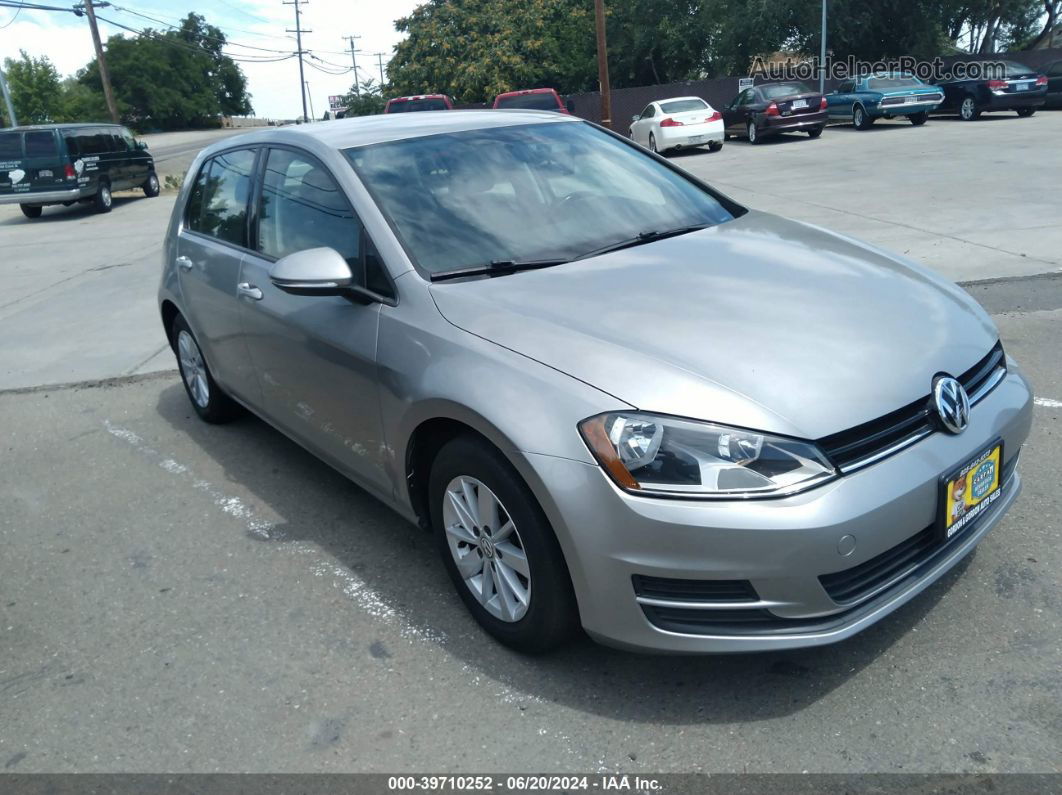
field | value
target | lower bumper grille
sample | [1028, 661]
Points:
[665, 588]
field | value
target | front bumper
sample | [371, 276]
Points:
[781, 547]
[41, 197]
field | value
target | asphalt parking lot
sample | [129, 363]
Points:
[182, 597]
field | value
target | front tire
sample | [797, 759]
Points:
[918, 119]
[151, 185]
[210, 403]
[499, 548]
[103, 201]
[1026, 112]
[652, 144]
[968, 110]
[31, 210]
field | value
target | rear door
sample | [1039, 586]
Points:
[315, 355]
[210, 248]
[1054, 80]
[30, 162]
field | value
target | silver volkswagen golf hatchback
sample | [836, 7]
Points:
[619, 399]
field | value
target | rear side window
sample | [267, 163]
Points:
[73, 144]
[41, 144]
[93, 142]
[10, 146]
[217, 205]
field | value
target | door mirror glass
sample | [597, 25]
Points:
[141, 145]
[635, 117]
[315, 271]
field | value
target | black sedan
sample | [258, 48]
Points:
[773, 108]
[1020, 89]
[1054, 84]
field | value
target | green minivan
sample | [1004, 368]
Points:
[66, 163]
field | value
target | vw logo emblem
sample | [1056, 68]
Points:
[952, 403]
[486, 546]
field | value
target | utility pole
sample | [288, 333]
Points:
[12, 119]
[822, 52]
[354, 60]
[298, 43]
[379, 60]
[105, 76]
[602, 65]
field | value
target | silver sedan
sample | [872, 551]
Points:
[618, 399]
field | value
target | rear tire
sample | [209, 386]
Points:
[103, 201]
[151, 186]
[1026, 112]
[468, 465]
[31, 210]
[918, 119]
[715, 146]
[815, 133]
[210, 403]
[652, 144]
[860, 119]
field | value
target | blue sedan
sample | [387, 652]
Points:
[885, 96]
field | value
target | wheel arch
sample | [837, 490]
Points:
[169, 311]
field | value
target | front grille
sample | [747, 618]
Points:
[857, 583]
[665, 588]
[872, 440]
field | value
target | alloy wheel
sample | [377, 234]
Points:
[857, 118]
[966, 110]
[752, 133]
[487, 548]
[193, 369]
[652, 143]
[105, 195]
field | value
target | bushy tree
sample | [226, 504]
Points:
[35, 88]
[366, 99]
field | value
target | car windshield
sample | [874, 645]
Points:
[888, 83]
[540, 101]
[779, 90]
[683, 105]
[409, 105]
[525, 192]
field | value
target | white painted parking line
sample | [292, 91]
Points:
[1048, 403]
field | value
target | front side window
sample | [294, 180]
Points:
[302, 207]
[128, 140]
[41, 144]
[683, 105]
[217, 205]
[535, 191]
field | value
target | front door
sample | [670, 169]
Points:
[315, 356]
[210, 247]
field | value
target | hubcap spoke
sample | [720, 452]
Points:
[486, 583]
[464, 516]
[462, 533]
[512, 587]
[487, 509]
[513, 557]
[469, 565]
[502, 532]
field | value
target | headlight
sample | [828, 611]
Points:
[665, 455]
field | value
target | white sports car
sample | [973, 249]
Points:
[677, 123]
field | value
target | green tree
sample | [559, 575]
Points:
[364, 100]
[173, 80]
[35, 88]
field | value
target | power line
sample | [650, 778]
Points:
[12, 20]
[223, 40]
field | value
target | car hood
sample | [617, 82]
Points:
[760, 322]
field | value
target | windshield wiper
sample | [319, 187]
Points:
[649, 236]
[497, 267]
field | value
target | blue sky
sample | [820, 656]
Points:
[274, 87]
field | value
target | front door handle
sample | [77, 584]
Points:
[184, 263]
[249, 290]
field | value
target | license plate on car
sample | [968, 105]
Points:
[1021, 86]
[967, 493]
[698, 139]
[913, 99]
[799, 103]
[44, 172]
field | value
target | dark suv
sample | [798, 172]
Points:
[67, 163]
[1018, 88]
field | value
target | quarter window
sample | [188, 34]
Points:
[218, 203]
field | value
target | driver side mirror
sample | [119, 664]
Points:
[315, 271]
[635, 117]
[141, 145]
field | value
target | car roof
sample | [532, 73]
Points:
[59, 126]
[364, 130]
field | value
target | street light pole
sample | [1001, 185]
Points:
[602, 65]
[822, 52]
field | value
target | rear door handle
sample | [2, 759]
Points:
[184, 263]
[249, 290]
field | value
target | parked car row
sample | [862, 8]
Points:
[759, 112]
[525, 99]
